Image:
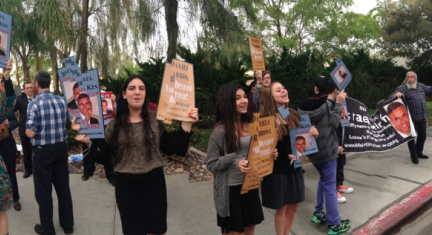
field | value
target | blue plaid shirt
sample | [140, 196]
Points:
[46, 116]
[416, 99]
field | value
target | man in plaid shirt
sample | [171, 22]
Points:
[46, 127]
[415, 94]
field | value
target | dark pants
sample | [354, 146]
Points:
[51, 168]
[28, 153]
[89, 164]
[417, 148]
[341, 160]
[10, 162]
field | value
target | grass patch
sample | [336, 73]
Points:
[203, 142]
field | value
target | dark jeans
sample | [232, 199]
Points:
[417, 148]
[89, 164]
[51, 168]
[10, 162]
[341, 160]
[28, 153]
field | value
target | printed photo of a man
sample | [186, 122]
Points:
[86, 109]
[105, 109]
[3, 44]
[399, 118]
[75, 92]
[300, 146]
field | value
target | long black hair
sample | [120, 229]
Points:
[122, 124]
[226, 114]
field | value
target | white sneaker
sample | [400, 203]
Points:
[341, 199]
[343, 189]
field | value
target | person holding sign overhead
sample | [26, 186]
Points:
[226, 158]
[284, 189]
[134, 141]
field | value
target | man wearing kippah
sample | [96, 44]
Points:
[415, 95]
[46, 127]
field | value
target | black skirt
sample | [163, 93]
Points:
[142, 202]
[245, 210]
[283, 189]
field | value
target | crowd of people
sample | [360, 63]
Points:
[131, 153]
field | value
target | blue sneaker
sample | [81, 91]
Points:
[319, 217]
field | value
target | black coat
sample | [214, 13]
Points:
[8, 145]
[21, 106]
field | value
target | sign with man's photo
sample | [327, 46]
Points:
[108, 108]
[340, 75]
[302, 142]
[5, 37]
[83, 96]
[390, 126]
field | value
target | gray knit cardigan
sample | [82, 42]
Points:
[218, 162]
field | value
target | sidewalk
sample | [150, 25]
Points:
[379, 181]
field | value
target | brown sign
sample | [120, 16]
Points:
[4, 133]
[177, 96]
[257, 54]
[264, 140]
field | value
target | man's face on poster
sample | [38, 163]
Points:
[400, 120]
[76, 93]
[85, 108]
[344, 114]
[104, 106]
[300, 145]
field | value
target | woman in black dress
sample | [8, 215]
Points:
[284, 189]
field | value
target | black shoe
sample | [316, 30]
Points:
[423, 156]
[112, 181]
[26, 174]
[39, 230]
[68, 230]
[341, 228]
[86, 176]
[415, 160]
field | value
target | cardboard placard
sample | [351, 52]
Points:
[108, 108]
[83, 97]
[302, 142]
[177, 96]
[340, 75]
[4, 133]
[345, 115]
[257, 54]
[5, 37]
[260, 156]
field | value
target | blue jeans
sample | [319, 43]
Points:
[326, 188]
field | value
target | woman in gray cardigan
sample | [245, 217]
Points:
[226, 159]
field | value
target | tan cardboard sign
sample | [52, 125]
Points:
[177, 96]
[257, 54]
[264, 140]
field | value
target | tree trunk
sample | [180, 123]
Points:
[171, 7]
[37, 61]
[105, 59]
[17, 81]
[53, 56]
[83, 39]
[26, 68]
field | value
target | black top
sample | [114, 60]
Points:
[339, 129]
[21, 106]
[282, 163]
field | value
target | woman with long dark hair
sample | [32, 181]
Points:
[284, 189]
[135, 138]
[7, 102]
[226, 158]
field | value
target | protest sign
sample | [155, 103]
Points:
[344, 118]
[302, 142]
[260, 156]
[108, 108]
[177, 96]
[4, 132]
[83, 98]
[257, 54]
[340, 75]
[5, 37]
[387, 129]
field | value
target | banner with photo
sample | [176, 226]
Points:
[83, 96]
[390, 126]
[264, 138]
[302, 142]
[340, 75]
[5, 37]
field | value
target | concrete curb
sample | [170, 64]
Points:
[397, 212]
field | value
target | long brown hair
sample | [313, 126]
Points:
[268, 108]
[226, 114]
